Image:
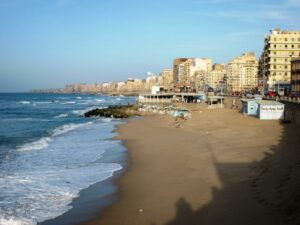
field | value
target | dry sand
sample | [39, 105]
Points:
[220, 168]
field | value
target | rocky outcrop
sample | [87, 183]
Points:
[114, 112]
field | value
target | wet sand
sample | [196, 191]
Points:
[221, 167]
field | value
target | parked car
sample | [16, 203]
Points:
[271, 94]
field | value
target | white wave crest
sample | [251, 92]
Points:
[36, 145]
[106, 120]
[66, 103]
[24, 102]
[68, 127]
[44, 142]
[61, 116]
[78, 97]
[12, 221]
[83, 111]
[41, 103]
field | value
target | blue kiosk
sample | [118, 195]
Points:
[249, 107]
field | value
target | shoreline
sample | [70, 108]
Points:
[97, 197]
[188, 175]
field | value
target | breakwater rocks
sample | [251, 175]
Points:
[114, 112]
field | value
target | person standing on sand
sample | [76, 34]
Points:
[233, 104]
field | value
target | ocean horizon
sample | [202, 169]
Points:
[49, 153]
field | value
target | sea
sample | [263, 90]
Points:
[49, 152]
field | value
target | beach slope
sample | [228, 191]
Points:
[220, 167]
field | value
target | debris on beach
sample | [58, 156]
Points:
[166, 110]
[179, 114]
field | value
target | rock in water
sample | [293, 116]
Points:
[114, 112]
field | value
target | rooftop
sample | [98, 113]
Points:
[266, 102]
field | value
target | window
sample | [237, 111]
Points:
[274, 46]
[274, 53]
[292, 39]
[274, 66]
[274, 60]
[285, 39]
[285, 67]
[285, 73]
[292, 46]
[286, 46]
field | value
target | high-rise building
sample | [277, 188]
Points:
[242, 73]
[295, 76]
[178, 69]
[275, 61]
[216, 75]
[167, 77]
[191, 70]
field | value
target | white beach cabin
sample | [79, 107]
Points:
[270, 110]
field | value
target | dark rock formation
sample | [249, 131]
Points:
[114, 112]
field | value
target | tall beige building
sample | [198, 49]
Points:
[216, 75]
[167, 77]
[242, 73]
[191, 70]
[178, 69]
[275, 61]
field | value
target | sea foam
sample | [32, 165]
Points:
[36, 145]
[24, 102]
[44, 142]
[12, 221]
[40, 185]
[61, 116]
[68, 127]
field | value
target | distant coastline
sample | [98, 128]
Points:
[63, 91]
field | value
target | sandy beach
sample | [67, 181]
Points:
[220, 167]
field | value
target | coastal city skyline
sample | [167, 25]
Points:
[53, 43]
[149, 112]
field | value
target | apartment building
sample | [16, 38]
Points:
[242, 73]
[295, 75]
[191, 70]
[178, 69]
[167, 77]
[275, 62]
[216, 75]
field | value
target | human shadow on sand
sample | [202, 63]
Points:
[270, 194]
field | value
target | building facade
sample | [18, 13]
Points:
[295, 76]
[167, 77]
[191, 71]
[216, 75]
[275, 61]
[242, 73]
[178, 69]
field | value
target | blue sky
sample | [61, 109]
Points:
[50, 43]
